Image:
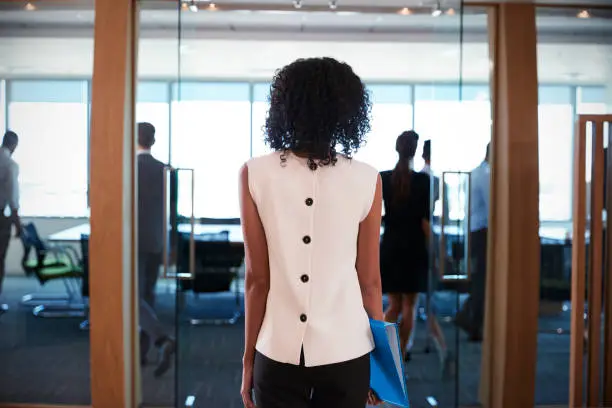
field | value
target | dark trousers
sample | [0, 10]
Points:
[474, 307]
[148, 271]
[5, 238]
[341, 385]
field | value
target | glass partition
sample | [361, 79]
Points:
[574, 76]
[204, 78]
[156, 204]
[45, 101]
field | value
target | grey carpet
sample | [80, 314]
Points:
[47, 360]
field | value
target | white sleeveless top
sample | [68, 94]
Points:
[311, 220]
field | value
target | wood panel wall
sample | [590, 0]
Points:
[510, 338]
[112, 155]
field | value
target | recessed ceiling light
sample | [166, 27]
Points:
[297, 4]
[450, 12]
[212, 7]
[29, 7]
[333, 4]
[184, 6]
[583, 14]
[405, 11]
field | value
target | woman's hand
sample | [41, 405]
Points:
[247, 385]
[373, 398]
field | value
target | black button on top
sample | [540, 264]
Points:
[309, 201]
[304, 278]
[303, 317]
[306, 239]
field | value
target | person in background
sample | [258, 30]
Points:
[432, 320]
[311, 223]
[9, 201]
[427, 169]
[150, 248]
[404, 255]
[471, 316]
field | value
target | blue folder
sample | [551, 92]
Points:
[387, 365]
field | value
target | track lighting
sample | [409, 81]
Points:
[333, 4]
[297, 4]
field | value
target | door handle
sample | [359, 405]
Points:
[461, 232]
[190, 274]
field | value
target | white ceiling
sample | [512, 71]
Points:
[245, 43]
[255, 59]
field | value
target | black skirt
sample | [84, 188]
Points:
[403, 265]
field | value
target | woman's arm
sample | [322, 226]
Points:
[368, 264]
[257, 276]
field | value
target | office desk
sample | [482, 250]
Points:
[73, 234]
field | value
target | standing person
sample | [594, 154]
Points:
[471, 317]
[311, 222]
[432, 320]
[150, 248]
[9, 200]
[404, 250]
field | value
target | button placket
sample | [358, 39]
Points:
[307, 239]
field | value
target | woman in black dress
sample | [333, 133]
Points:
[404, 250]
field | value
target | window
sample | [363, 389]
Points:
[2, 105]
[153, 106]
[458, 123]
[211, 133]
[591, 100]
[391, 115]
[51, 119]
[556, 124]
[259, 111]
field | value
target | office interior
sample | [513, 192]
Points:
[203, 74]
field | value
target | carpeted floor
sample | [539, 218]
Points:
[47, 360]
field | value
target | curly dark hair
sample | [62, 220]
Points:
[316, 106]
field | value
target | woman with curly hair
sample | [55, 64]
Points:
[311, 222]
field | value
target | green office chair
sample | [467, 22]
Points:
[49, 263]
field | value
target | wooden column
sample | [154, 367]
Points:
[511, 324]
[112, 155]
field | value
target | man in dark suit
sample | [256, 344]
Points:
[151, 247]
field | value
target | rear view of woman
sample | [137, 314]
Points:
[404, 250]
[311, 222]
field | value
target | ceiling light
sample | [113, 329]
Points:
[29, 7]
[212, 7]
[584, 14]
[297, 4]
[450, 12]
[184, 6]
[193, 6]
[333, 4]
[405, 11]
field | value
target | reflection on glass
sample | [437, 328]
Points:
[44, 340]
[574, 78]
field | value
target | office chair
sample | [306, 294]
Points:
[217, 265]
[85, 283]
[47, 263]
